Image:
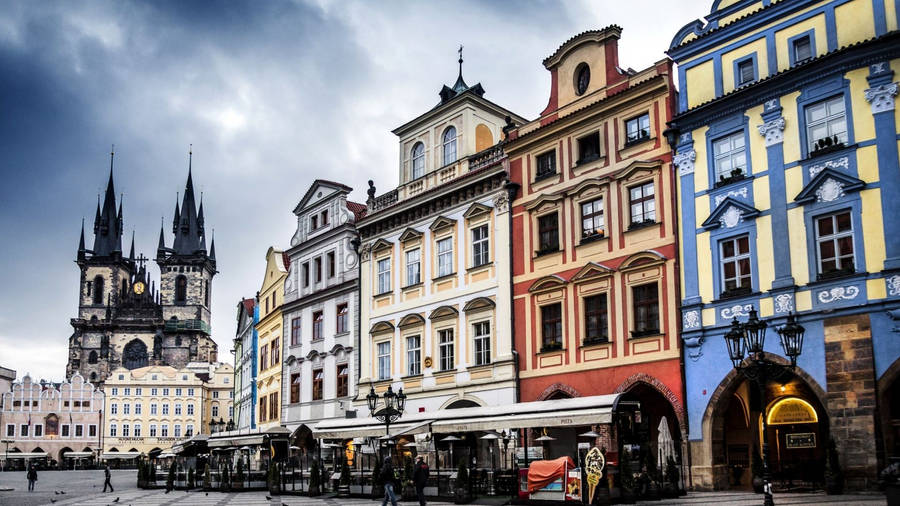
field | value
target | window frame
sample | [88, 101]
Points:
[342, 375]
[740, 288]
[318, 384]
[581, 143]
[449, 151]
[643, 198]
[808, 125]
[586, 237]
[383, 276]
[641, 134]
[550, 171]
[748, 61]
[295, 387]
[383, 359]
[652, 305]
[601, 312]
[481, 246]
[446, 349]
[481, 355]
[415, 159]
[551, 317]
[342, 318]
[410, 279]
[554, 245]
[446, 256]
[318, 318]
[720, 178]
[413, 355]
[834, 238]
[295, 330]
[332, 264]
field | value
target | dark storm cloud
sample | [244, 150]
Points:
[271, 95]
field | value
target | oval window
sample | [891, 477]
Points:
[582, 78]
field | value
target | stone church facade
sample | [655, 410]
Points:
[123, 319]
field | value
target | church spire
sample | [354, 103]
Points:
[81, 250]
[212, 247]
[189, 230]
[108, 224]
[131, 254]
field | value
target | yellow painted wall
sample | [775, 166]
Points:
[890, 11]
[797, 238]
[782, 49]
[873, 236]
[855, 21]
[863, 121]
[701, 172]
[762, 63]
[704, 268]
[765, 255]
[702, 84]
[791, 147]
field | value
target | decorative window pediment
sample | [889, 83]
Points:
[339, 348]
[440, 223]
[411, 320]
[312, 355]
[827, 186]
[381, 244]
[643, 259]
[443, 312]
[410, 234]
[552, 281]
[478, 304]
[589, 186]
[638, 170]
[729, 213]
[476, 210]
[592, 270]
[381, 328]
[545, 202]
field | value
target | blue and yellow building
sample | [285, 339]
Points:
[788, 188]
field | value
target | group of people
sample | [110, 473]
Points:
[420, 478]
[31, 476]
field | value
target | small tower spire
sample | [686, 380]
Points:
[212, 247]
[81, 250]
[97, 216]
[131, 254]
[177, 215]
[460, 60]
[161, 246]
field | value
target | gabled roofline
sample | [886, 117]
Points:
[340, 187]
[466, 96]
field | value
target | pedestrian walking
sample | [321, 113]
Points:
[32, 477]
[420, 479]
[107, 475]
[387, 476]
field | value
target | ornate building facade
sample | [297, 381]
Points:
[123, 319]
[269, 332]
[321, 308]
[593, 235]
[787, 180]
[245, 364]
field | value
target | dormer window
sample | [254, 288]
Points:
[418, 161]
[449, 141]
[589, 148]
[802, 49]
[324, 219]
[582, 78]
[313, 222]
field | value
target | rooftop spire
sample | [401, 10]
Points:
[108, 223]
[212, 247]
[131, 254]
[161, 246]
[81, 250]
[177, 215]
[188, 228]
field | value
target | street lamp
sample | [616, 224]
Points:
[749, 339]
[394, 404]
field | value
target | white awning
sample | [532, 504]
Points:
[78, 454]
[236, 441]
[350, 432]
[120, 455]
[526, 420]
[24, 455]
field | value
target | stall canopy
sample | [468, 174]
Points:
[24, 455]
[245, 437]
[597, 409]
[78, 454]
[543, 472]
[120, 455]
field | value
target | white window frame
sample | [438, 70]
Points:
[731, 153]
[481, 245]
[593, 216]
[383, 349]
[152, 430]
[417, 161]
[447, 350]
[126, 430]
[136, 430]
[383, 267]
[113, 430]
[413, 267]
[829, 120]
[413, 355]
[735, 259]
[834, 238]
[449, 145]
[481, 342]
[634, 127]
[164, 430]
[445, 256]
[152, 408]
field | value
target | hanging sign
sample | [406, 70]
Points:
[801, 440]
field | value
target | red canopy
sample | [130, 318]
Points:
[543, 472]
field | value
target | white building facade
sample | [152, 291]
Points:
[245, 365]
[320, 308]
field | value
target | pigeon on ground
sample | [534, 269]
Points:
[63, 492]
[116, 500]
[56, 492]
[207, 493]
[52, 500]
[268, 498]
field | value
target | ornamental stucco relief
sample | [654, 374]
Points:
[691, 319]
[784, 303]
[830, 191]
[882, 97]
[731, 217]
[735, 311]
[773, 131]
[685, 162]
[830, 164]
[838, 293]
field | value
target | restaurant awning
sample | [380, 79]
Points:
[78, 454]
[246, 438]
[525, 420]
[24, 455]
[120, 455]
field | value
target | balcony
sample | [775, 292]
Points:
[186, 325]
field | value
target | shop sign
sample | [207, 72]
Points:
[573, 485]
[792, 410]
[801, 440]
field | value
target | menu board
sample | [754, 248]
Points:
[801, 440]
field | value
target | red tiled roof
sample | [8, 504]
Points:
[287, 261]
[248, 304]
[358, 210]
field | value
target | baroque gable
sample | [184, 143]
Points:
[827, 186]
[729, 213]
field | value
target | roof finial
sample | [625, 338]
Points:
[190, 157]
[460, 59]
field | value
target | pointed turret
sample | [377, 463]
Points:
[81, 249]
[108, 226]
[177, 215]
[131, 254]
[188, 232]
[212, 248]
[161, 246]
[97, 216]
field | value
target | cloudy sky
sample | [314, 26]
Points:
[271, 94]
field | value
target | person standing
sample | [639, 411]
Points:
[420, 478]
[32, 477]
[107, 475]
[387, 476]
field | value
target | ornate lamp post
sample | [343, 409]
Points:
[749, 339]
[394, 404]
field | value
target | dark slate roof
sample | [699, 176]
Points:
[189, 229]
[107, 222]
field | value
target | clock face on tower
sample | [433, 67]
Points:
[139, 288]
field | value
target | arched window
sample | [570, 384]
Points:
[51, 425]
[418, 161]
[93, 376]
[180, 289]
[98, 289]
[92, 358]
[449, 145]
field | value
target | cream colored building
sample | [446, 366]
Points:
[218, 392]
[150, 408]
[269, 329]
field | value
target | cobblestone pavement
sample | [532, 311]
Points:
[83, 488]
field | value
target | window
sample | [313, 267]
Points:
[177, 392]
[275, 351]
[126, 430]
[178, 410]
[190, 410]
[834, 244]
[153, 391]
[447, 355]
[164, 430]
[480, 246]
[637, 129]
[191, 392]
[318, 381]
[595, 319]
[215, 410]
[263, 403]
[263, 358]
[589, 148]
[551, 326]
[413, 355]
[592, 222]
[482, 334]
[92, 431]
[165, 391]
[445, 257]
[115, 391]
[418, 161]
[305, 274]
[189, 430]
[384, 275]
[746, 72]
[165, 409]
[343, 380]
[331, 264]
[548, 233]
[645, 300]
[152, 430]
[137, 430]
[79, 431]
[92, 358]
[295, 388]
[342, 318]
[114, 409]
[318, 269]
[736, 275]
[138, 391]
[546, 164]
[38, 431]
[180, 289]
[295, 331]
[730, 157]
[324, 215]
[273, 406]
[65, 431]
[413, 267]
[137, 408]
[313, 222]
[10, 430]
[449, 140]
[826, 119]
[384, 360]
[802, 48]
[112, 430]
[177, 430]
[643, 204]
[318, 322]
[98, 290]
[152, 409]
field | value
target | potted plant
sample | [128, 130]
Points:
[191, 484]
[238, 481]
[889, 481]
[461, 492]
[206, 480]
[626, 478]
[756, 469]
[834, 475]
[377, 484]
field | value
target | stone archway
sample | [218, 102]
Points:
[558, 391]
[654, 383]
[888, 391]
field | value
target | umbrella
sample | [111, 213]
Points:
[451, 438]
[589, 433]
[665, 445]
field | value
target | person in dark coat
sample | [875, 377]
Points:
[420, 478]
[387, 476]
[107, 475]
[32, 477]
